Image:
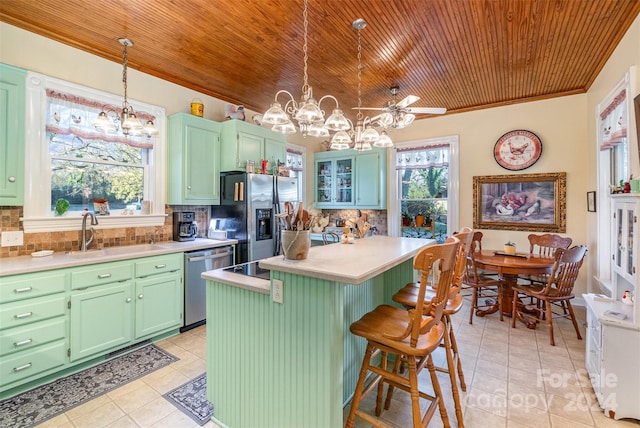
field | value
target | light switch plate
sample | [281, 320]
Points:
[278, 289]
[12, 238]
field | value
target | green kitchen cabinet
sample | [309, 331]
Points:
[193, 160]
[101, 319]
[242, 141]
[159, 295]
[12, 134]
[33, 326]
[371, 180]
[334, 180]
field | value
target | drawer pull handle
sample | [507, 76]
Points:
[22, 343]
[22, 290]
[128, 300]
[26, 366]
[140, 296]
[104, 275]
[161, 266]
[25, 315]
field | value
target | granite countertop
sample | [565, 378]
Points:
[351, 263]
[26, 264]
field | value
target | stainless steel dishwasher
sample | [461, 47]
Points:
[196, 262]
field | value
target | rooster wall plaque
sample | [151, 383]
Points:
[517, 150]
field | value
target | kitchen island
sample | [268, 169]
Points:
[295, 364]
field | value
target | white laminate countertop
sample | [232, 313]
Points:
[26, 264]
[258, 285]
[350, 263]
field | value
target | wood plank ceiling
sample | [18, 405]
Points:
[459, 54]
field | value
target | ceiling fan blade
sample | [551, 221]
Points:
[427, 110]
[409, 99]
[368, 108]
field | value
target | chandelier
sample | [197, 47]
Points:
[364, 133]
[108, 119]
[307, 112]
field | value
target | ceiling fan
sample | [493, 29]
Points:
[399, 114]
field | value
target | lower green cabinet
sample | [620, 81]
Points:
[100, 319]
[158, 304]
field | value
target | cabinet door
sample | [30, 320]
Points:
[274, 151]
[100, 319]
[12, 92]
[193, 161]
[323, 183]
[159, 303]
[343, 182]
[370, 181]
[250, 147]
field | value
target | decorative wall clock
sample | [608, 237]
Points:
[518, 149]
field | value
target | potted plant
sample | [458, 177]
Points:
[510, 248]
[406, 219]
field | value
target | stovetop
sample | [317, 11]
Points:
[249, 269]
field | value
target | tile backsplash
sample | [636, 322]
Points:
[104, 238]
[377, 218]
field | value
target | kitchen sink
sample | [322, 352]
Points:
[89, 254]
[112, 251]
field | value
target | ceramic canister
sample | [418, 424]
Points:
[197, 108]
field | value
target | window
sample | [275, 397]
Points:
[426, 186]
[70, 161]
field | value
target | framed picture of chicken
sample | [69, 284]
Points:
[534, 202]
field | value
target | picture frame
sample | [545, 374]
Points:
[524, 202]
[591, 201]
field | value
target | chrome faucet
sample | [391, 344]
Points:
[94, 221]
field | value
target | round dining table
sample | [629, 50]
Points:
[509, 267]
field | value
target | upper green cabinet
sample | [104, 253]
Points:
[193, 161]
[12, 112]
[242, 141]
[371, 180]
[350, 179]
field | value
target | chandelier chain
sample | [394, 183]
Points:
[305, 24]
[359, 115]
[125, 103]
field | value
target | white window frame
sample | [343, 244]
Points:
[453, 194]
[302, 182]
[37, 198]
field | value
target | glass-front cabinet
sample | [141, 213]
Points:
[334, 182]
[625, 252]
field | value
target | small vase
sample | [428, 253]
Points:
[295, 244]
[419, 220]
[510, 250]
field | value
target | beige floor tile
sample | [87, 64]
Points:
[60, 421]
[123, 422]
[152, 412]
[492, 368]
[87, 407]
[560, 422]
[483, 400]
[136, 398]
[99, 417]
[166, 383]
[528, 416]
[574, 408]
[174, 420]
[478, 418]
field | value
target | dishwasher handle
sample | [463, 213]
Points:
[211, 257]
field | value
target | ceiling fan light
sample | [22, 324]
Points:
[275, 115]
[405, 120]
[385, 119]
[337, 121]
[309, 112]
[284, 128]
[384, 141]
[318, 131]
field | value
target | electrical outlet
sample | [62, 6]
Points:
[12, 239]
[278, 288]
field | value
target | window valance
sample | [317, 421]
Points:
[613, 122]
[428, 156]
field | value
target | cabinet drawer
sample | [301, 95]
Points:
[104, 273]
[30, 285]
[32, 335]
[29, 363]
[29, 311]
[159, 264]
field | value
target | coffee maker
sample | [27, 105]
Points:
[184, 226]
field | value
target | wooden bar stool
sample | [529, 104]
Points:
[407, 297]
[411, 335]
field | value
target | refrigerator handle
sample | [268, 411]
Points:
[242, 190]
[235, 192]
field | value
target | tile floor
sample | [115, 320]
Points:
[514, 379]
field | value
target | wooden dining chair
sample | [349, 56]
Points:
[557, 292]
[544, 246]
[410, 335]
[485, 288]
[407, 296]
